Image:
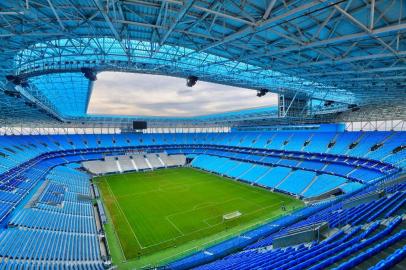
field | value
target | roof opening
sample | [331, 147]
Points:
[119, 93]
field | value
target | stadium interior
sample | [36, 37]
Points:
[315, 181]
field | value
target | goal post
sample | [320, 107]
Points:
[232, 215]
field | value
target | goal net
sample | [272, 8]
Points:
[231, 215]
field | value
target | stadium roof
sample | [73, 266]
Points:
[346, 51]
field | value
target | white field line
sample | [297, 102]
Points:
[168, 217]
[210, 226]
[114, 229]
[180, 188]
[125, 217]
[173, 224]
[215, 240]
[200, 205]
[205, 221]
[191, 210]
[182, 212]
[160, 188]
[246, 214]
[169, 188]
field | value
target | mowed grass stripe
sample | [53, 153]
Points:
[119, 221]
[123, 216]
[155, 210]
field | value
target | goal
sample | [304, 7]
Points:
[232, 215]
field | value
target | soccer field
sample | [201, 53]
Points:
[165, 208]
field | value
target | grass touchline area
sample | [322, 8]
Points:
[156, 215]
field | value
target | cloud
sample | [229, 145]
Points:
[154, 95]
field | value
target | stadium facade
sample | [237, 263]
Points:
[335, 142]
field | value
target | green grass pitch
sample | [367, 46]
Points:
[155, 210]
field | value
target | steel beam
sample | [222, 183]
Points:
[326, 42]
[371, 70]
[269, 9]
[108, 21]
[246, 30]
[187, 5]
[345, 60]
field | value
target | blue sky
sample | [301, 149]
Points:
[155, 95]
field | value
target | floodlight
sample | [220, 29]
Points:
[262, 92]
[191, 80]
[89, 73]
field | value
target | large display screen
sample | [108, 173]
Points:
[139, 125]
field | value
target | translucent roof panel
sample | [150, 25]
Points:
[350, 53]
[68, 92]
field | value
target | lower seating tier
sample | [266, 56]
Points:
[48, 245]
[51, 234]
[296, 182]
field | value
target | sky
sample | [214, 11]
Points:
[120, 93]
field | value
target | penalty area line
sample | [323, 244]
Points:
[173, 224]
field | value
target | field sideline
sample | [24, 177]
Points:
[157, 210]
